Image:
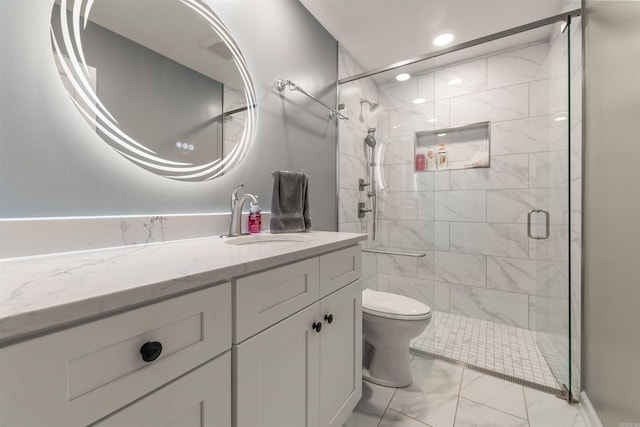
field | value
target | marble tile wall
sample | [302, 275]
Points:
[471, 224]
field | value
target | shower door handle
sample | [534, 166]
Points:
[546, 220]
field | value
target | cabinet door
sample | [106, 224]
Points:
[277, 376]
[201, 398]
[340, 354]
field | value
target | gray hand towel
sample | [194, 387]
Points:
[289, 203]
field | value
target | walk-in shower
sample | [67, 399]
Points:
[463, 235]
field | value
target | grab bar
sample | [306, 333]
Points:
[394, 253]
[281, 84]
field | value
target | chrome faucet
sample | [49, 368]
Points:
[235, 227]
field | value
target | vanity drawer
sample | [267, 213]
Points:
[339, 268]
[79, 375]
[265, 298]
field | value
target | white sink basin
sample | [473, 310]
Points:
[264, 239]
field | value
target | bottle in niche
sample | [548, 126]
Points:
[420, 162]
[255, 219]
[442, 158]
[431, 161]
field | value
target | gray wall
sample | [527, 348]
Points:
[611, 334]
[52, 164]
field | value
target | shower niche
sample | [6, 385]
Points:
[461, 147]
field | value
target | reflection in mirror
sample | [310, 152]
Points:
[161, 81]
[461, 147]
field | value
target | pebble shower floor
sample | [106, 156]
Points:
[495, 347]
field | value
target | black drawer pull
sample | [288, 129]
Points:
[328, 318]
[150, 351]
[317, 326]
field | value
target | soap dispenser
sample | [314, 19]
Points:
[255, 219]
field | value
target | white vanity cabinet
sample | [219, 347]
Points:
[301, 367]
[80, 375]
[279, 347]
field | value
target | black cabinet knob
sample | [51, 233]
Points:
[328, 318]
[150, 351]
[317, 326]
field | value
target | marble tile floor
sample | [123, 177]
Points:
[446, 395]
[495, 347]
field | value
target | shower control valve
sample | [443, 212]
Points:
[362, 210]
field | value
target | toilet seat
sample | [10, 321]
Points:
[393, 306]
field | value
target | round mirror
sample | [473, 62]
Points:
[161, 81]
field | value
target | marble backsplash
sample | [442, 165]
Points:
[39, 236]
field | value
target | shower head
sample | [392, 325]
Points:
[370, 139]
[372, 105]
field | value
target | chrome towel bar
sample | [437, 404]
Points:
[282, 84]
[394, 253]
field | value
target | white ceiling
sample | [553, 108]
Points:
[378, 33]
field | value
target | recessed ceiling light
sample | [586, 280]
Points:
[443, 39]
[454, 82]
[441, 134]
[419, 101]
[561, 118]
[402, 77]
[432, 120]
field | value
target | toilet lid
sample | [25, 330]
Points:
[393, 306]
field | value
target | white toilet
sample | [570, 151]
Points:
[389, 322]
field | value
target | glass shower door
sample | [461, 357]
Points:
[548, 222]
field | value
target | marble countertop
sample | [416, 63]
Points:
[40, 293]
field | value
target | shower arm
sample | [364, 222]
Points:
[282, 84]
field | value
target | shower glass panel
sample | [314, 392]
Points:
[549, 235]
[513, 217]
[390, 191]
[488, 262]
